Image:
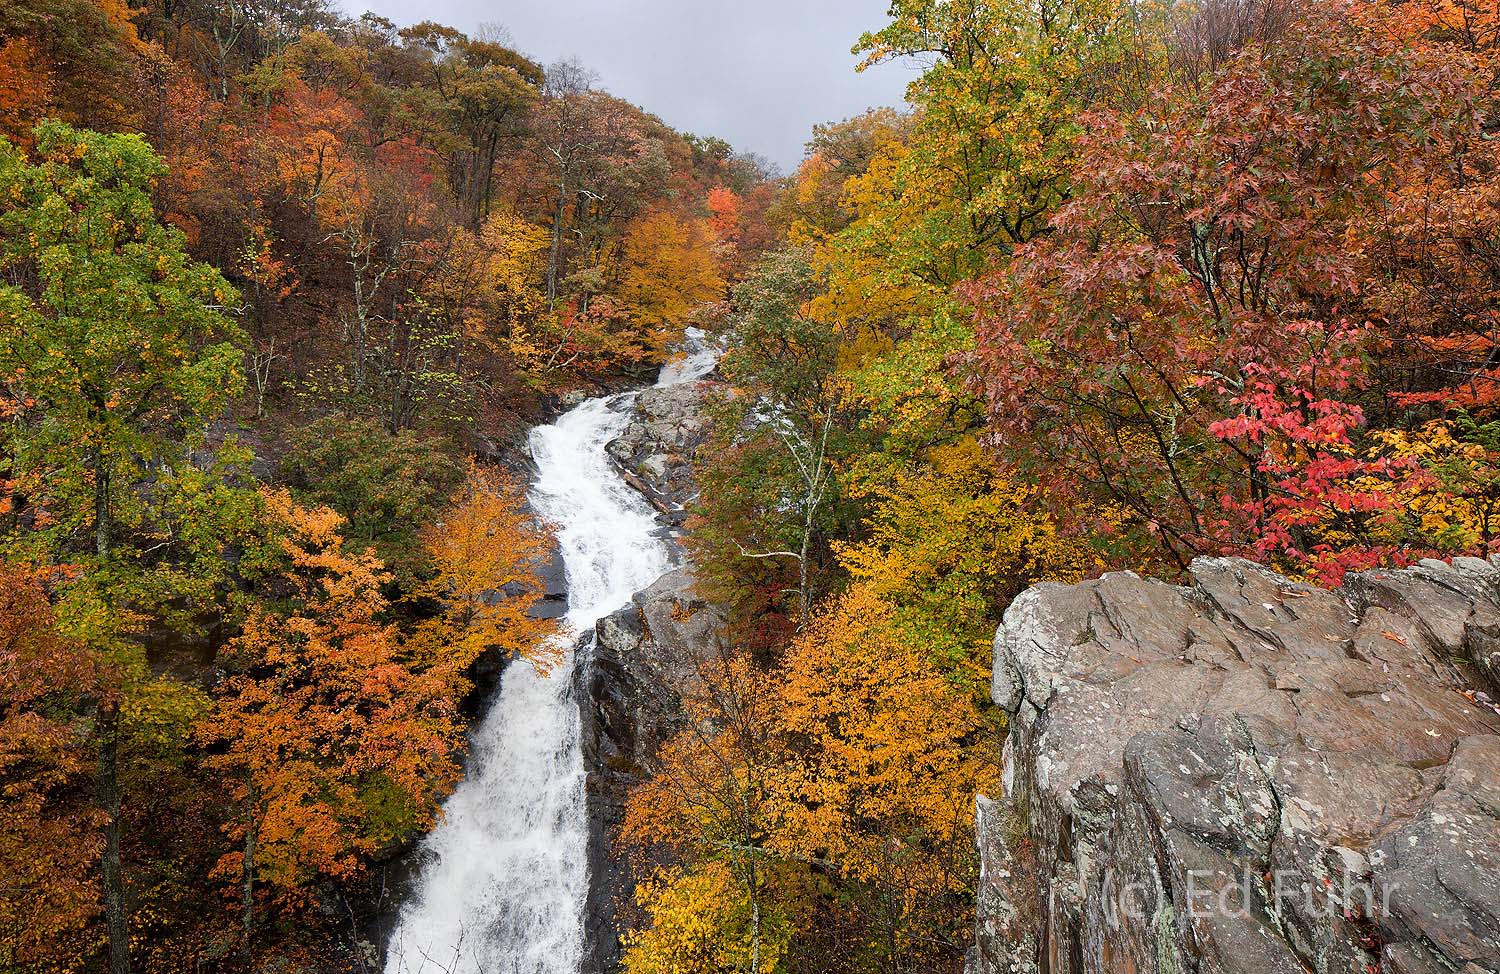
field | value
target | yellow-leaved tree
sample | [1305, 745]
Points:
[484, 552]
[487, 289]
[885, 756]
[734, 904]
[950, 542]
[702, 922]
[844, 782]
[666, 270]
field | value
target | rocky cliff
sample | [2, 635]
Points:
[639, 658]
[1247, 775]
[636, 663]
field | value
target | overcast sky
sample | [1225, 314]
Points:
[759, 73]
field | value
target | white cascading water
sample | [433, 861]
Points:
[505, 872]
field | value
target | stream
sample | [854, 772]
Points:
[504, 875]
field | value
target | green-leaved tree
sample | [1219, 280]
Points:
[116, 354]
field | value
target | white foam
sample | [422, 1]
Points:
[506, 874]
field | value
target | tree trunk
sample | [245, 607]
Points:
[248, 897]
[804, 614]
[101, 505]
[557, 221]
[260, 369]
[754, 924]
[111, 875]
[487, 185]
[747, 833]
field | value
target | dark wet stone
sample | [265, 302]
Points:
[634, 664]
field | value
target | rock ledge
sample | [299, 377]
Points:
[1247, 774]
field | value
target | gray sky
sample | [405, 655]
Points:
[759, 73]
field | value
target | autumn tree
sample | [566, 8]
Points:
[735, 906]
[487, 90]
[991, 151]
[780, 435]
[352, 154]
[80, 54]
[667, 269]
[220, 40]
[571, 125]
[487, 288]
[948, 543]
[726, 213]
[816, 205]
[702, 922]
[1431, 251]
[335, 746]
[25, 88]
[482, 557]
[117, 356]
[1456, 502]
[885, 755]
[846, 774]
[50, 831]
[381, 221]
[1188, 268]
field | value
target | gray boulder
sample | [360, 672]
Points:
[657, 449]
[1247, 774]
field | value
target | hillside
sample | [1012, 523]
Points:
[450, 520]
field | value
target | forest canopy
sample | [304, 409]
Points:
[282, 291]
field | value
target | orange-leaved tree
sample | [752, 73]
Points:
[25, 87]
[334, 745]
[725, 214]
[484, 552]
[1431, 248]
[667, 269]
[51, 833]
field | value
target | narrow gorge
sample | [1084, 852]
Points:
[504, 879]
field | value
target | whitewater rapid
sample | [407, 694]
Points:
[505, 873]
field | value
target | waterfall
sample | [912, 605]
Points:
[505, 874]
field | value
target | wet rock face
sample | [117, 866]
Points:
[640, 658]
[1247, 775]
[642, 655]
[656, 450]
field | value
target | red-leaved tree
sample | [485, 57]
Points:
[1176, 348]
